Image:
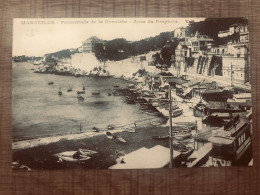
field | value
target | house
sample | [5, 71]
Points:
[89, 44]
[240, 29]
[182, 32]
[175, 82]
[181, 53]
[199, 43]
[235, 69]
[240, 101]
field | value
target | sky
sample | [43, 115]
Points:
[36, 37]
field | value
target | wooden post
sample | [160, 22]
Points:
[170, 120]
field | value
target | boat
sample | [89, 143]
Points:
[80, 92]
[177, 113]
[50, 83]
[86, 152]
[119, 153]
[69, 89]
[155, 123]
[95, 129]
[72, 159]
[80, 97]
[95, 92]
[161, 137]
[131, 130]
[110, 127]
[182, 135]
[60, 92]
[110, 135]
[72, 156]
[121, 140]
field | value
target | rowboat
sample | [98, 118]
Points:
[71, 159]
[86, 152]
[177, 113]
[121, 140]
[110, 127]
[131, 130]
[72, 156]
[155, 123]
[110, 135]
[182, 135]
[162, 137]
[95, 129]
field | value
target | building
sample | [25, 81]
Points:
[89, 44]
[182, 32]
[218, 50]
[235, 69]
[181, 53]
[200, 43]
[240, 29]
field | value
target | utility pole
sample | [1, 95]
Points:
[231, 74]
[170, 120]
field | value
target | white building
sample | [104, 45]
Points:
[182, 32]
[235, 69]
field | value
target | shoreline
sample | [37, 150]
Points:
[43, 156]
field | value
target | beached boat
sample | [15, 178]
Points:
[162, 137]
[182, 135]
[72, 159]
[121, 140]
[72, 156]
[110, 135]
[50, 83]
[119, 153]
[131, 130]
[110, 127]
[80, 92]
[177, 113]
[95, 129]
[95, 92]
[155, 123]
[86, 152]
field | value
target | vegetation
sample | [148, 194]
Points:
[24, 58]
[211, 27]
[119, 49]
[66, 53]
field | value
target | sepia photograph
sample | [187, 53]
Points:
[131, 93]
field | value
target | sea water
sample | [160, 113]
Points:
[39, 111]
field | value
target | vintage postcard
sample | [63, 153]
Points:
[131, 93]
